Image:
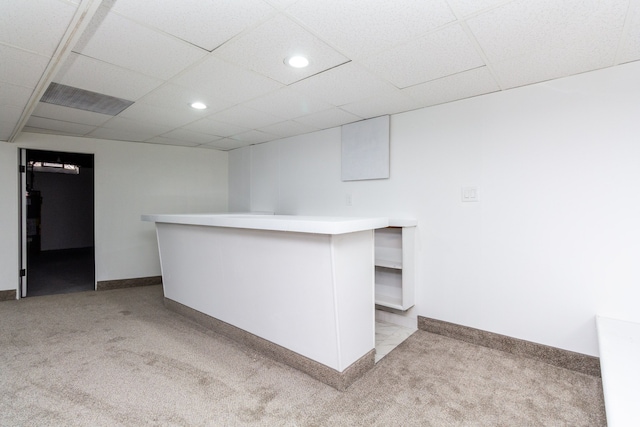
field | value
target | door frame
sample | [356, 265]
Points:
[23, 273]
[22, 203]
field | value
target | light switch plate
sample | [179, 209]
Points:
[470, 194]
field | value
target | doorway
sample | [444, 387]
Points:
[58, 246]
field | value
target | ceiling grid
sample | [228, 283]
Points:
[367, 58]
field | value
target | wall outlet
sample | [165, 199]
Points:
[348, 200]
[470, 194]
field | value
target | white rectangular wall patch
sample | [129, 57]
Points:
[365, 149]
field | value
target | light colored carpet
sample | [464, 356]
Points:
[119, 358]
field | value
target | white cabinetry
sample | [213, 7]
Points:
[395, 264]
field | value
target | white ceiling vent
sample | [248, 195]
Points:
[81, 99]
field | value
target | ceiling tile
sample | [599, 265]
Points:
[210, 147]
[46, 131]
[438, 54]
[281, 4]
[265, 49]
[458, 86]
[255, 137]
[21, 67]
[359, 28]
[630, 44]
[156, 54]
[207, 24]
[435, 50]
[35, 25]
[119, 135]
[288, 128]
[97, 76]
[60, 126]
[181, 98]
[170, 117]
[171, 141]
[14, 95]
[229, 82]
[288, 103]
[342, 85]
[58, 112]
[190, 136]
[225, 144]
[245, 117]
[214, 127]
[382, 103]
[464, 8]
[527, 42]
[137, 126]
[328, 119]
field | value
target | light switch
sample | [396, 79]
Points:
[349, 200]
[470, 194]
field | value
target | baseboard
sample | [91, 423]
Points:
[338, 380]
[578, 362]
[8, 295]
[106, 285]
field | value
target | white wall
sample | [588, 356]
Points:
[130, 179]
[9, 222]
[555, 238]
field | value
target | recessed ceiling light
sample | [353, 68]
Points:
[297, 61]
[198, 106]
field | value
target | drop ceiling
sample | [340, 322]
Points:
[367, 58]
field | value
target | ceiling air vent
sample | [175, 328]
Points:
[81, 99]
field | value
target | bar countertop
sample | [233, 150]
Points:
[290, 223]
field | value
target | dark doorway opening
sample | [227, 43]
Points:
[60, 244]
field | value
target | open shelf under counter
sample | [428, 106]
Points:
[389, 301]
[389, 263]
[395, 264]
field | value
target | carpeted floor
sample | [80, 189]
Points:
[119, 358]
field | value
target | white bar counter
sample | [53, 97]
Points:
[305, 284]
[619, 345]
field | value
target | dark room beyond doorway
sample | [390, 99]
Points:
[59, 223]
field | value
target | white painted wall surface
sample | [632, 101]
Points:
[130, 179]
[9, 236]
[555, 238]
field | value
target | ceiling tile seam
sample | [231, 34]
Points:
[456, 22]
[162, 135]
[276, 6]
[394, 46]
[232, 65]
[320, 72]
[212, 116]
[315, 34]
[478, 47]
[481, 11]
[303, 124]
[626, 28]
[275, 12]
[17, 85]
[63, 121]
[79, 22]
[158, 30]
[454, 100]
[403, 89]
[33, 52]
[419, 36]
[102, 61]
